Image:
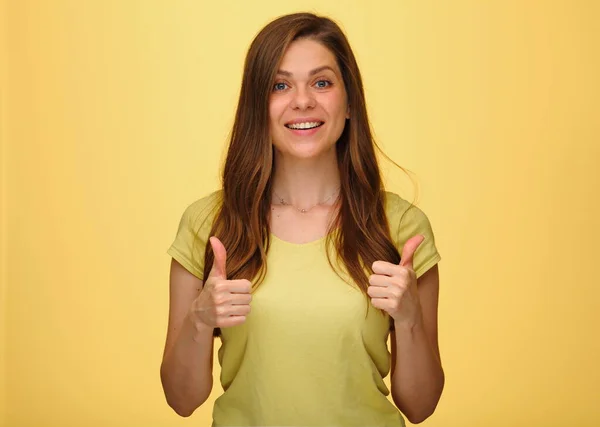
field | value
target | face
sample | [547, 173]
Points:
[308, 102]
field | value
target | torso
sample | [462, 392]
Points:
[295, 227]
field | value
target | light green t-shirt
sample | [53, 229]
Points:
[307, 354]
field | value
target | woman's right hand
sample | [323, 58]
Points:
[222, 303]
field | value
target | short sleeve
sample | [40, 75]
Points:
[407, 220]
[193, 233]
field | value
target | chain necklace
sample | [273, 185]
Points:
[283, 202]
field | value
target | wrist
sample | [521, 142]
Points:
[409, 325]
[198, 328]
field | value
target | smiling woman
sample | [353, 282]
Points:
[308, 107]
[305, 344]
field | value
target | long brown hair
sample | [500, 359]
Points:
[241, 221]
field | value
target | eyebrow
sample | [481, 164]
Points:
[311, 73]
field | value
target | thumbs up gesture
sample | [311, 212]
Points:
[222, 303]
[393, 288]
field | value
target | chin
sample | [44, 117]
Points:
[308, 150]
[304, 147]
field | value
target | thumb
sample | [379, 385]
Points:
[218, 268]
[409, 249]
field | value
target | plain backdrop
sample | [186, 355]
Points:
[115, 117]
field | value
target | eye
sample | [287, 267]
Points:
[279, 86]
[321, 84]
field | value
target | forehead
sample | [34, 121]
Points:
[305, 55]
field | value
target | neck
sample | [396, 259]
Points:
[306, 182]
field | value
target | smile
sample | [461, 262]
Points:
[304, 125]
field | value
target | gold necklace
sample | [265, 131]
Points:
[283, 202]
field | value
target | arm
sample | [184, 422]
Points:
[186, 368]
[417, 375]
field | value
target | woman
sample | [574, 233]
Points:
[303, 239]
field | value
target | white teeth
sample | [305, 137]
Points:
[305, 125]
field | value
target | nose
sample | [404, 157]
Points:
[303, 99]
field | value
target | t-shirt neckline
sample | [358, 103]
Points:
[311, 243]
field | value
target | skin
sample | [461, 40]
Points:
[306, 166]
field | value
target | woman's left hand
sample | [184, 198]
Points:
[393, 288]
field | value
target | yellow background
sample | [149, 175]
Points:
[115, 116]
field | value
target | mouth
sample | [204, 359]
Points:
[304, 125]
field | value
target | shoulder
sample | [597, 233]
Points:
[397, 207]
[407, 220]
[393, 200]
[200, 213]
[208, 201]
[205, 205]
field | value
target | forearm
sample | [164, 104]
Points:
[418, 378]
[186, 370]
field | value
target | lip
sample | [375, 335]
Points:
[305, 119]
[305, 132]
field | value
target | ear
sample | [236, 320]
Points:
[348, 112]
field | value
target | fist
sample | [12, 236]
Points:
[222, 303]
[393, 288]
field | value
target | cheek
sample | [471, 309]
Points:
[336, 105]
[276, 108]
